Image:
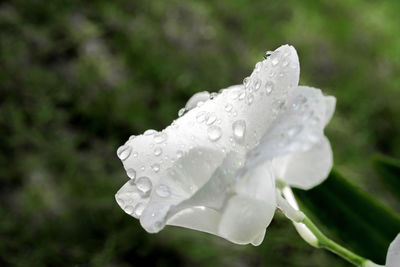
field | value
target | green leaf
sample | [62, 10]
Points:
[388, 170]
[347, 213]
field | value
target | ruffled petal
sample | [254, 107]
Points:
[305, 169]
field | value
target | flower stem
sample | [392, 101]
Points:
[312, 235]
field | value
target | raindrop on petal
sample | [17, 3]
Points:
[214, 133]
[144, 186]
[239, 130]
[228, 107]
[196, 99]
[124, 152]
[160, 138]
[181, 112]
[257, 84]
[269, 86]
[179, 154]
[139, 209]
[163, 190]
[131, 173]
[155, 167]
[157, 151]
[149, 132]
[295, 130]
[211, 119]
[201, 116]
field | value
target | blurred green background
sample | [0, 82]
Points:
[76, 79]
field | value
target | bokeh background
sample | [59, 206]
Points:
[78, 77]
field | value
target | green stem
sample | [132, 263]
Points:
[310, 232]
[325, 242]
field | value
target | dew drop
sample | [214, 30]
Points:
[211, 119]
[163, 190]
[242, 95]
[124, 152]
[228, 107]
[131, 173]
[214, 133]
[129, 209]
[250, 99]
[257, 84]
[201, 116]
[139, 208]
[285, 63]
[196, 99]
[258, 67]
[267, 54]
[150, 132]
[239, 130]
[179, 154]
[135, 154]
[160, 138]
[144, 186]
[269, 86]
[213, 95]
[181, 112]
[155, 167]
[275, 61]
[246, 82]
[295, 130]
[132, 137]
[157, 151]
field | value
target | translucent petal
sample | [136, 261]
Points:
[296, 142]
[393, 256]
[305, 169]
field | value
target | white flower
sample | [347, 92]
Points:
[214, 168]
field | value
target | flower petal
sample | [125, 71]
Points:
[393, 255]
[296, 137]
[305, 169]
[169, 167]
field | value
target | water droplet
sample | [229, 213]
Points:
[142, 168]
[257, 84]
[135, 154]
[150, 132]
[258, 67]
[267, 54]
[144, 186]
[295, 130]
[163, 190]
[285, 63]
[160, 138]
[181, 112]
[228, 107]
[157, 151]
[234, 95]
[246, 82]
[269, 86]
[139, 208]
[211, 119]
[179, 154]
[131, 173]
[129, 209]
[213, 95]
[239, 130]
[242, 95]
[214, 133]
[196, 99]
[155, 167]
[250, 99]
[123, 152]
[132, 137]
[201, 116]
